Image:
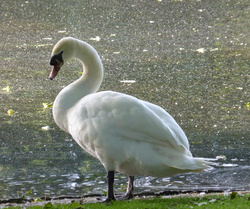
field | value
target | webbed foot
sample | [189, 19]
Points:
[126, 196]
[105, 199]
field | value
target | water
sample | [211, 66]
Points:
[190, 57]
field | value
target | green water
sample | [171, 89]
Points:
[190, 57]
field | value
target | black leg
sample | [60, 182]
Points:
[130, 189]
[110, 194]
[110, 186]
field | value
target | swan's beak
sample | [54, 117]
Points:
[55, 70]
[56, 61]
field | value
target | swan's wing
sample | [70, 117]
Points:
[170, 122]
[150, 124]
[125, 116]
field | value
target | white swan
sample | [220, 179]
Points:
[126, 134]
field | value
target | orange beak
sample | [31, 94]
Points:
[55, 70]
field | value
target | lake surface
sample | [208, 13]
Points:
[190, 57]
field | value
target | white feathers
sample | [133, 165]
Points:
[126, 134]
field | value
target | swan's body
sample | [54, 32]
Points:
[126, 134]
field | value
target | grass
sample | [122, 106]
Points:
[233, 201]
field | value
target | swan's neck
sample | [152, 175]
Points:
[88, 83]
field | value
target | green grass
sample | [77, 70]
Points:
[232, 201]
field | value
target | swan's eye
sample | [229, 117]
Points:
[56, 59]
[52, 62]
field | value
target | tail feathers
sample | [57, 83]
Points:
[204, 163]
[196, 164]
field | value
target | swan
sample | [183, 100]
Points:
[125, 134]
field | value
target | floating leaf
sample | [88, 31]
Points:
[223, 157]
[10, 112]
[229, 165]
[29, 193]
[47, 38]
[42, 45]
[46, 128]
[215, 49]
[127, 81]
[7, 88]
[47, 105]
[97, 38]
[248, 105]
[62, 31]
[201, 50]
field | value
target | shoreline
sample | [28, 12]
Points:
[28, 202]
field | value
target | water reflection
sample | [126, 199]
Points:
[189, 57]
[77, 185]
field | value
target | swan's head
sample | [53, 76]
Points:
[62, 52]
[56, 61]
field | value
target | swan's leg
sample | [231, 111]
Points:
[110, 195]
[130, 189]
[110, 176]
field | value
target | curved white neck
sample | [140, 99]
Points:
[88, 83]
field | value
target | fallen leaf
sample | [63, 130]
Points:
[233, 195]
[38, 200]
[213, 200]
[48, 205]
[10, 112]
[202, 203]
